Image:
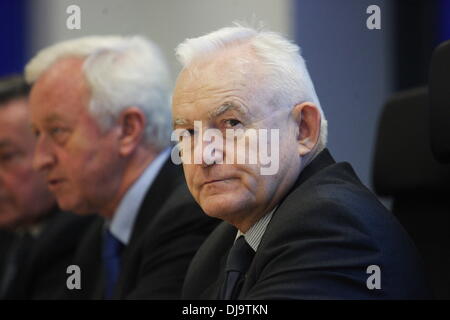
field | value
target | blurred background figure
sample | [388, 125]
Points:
[100, 107]
[37, 240]
[24, 195]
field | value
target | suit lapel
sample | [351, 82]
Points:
[41, 250]
[321, 161]
[161, 188]
[217, 251]
[88, 258]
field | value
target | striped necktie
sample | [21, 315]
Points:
[238, 262]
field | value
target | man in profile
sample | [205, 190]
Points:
[310, 230]
[101, 112]
[38, 240]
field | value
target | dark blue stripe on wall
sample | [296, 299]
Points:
[12, 36]
[444, 12]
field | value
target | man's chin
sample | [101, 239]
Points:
[9, 223]
[221, 206]
[9, 217]
[71, 205]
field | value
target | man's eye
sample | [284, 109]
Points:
[55, 130]
[37, 133]
[230, 123]
[58, 134]
[7, 157]
[191, 131]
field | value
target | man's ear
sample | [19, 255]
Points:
[307, 118]
[132, 123]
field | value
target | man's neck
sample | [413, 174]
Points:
[133, 170]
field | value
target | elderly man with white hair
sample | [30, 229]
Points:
[100, 108]
[310, 230]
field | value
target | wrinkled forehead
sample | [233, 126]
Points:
[14, 123]
[61, 88]
[227, 76]
[14, 110]
[64, 74]
[208, 83]
[14, 115]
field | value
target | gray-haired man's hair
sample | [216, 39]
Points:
[286, 70]
[121, 72]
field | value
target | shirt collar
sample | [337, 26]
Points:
[34, 230]
[254, 235]
[123, 219]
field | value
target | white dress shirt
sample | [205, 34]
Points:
[125, 215]
[254, 235]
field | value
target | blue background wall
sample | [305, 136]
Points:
[444, 20]
[13, 29]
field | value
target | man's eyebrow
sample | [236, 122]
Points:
[227, 106]
[52, 118]
[180, 122]
[5, 143]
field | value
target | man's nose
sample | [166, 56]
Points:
[210, 149]
[43, 158]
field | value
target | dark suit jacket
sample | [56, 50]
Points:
[318, 245]
[168, 230]
[42, 274]
[6, 239]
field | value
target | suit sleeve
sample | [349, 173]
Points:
[163, 271]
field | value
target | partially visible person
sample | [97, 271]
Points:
[38, 239]
[101, 112]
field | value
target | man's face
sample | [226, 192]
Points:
[236, 193]
[81, 162]
[23, 192]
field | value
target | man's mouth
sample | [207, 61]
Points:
[54, 183]
[211, 181]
